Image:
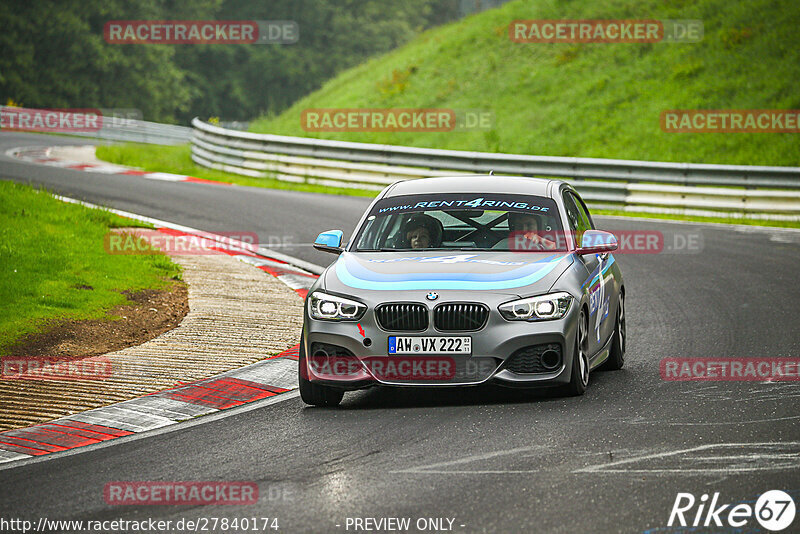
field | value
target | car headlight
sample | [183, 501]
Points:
[541, 308]
[332, 308]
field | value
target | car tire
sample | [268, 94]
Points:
[616, 356]
[579, 376]
[315, 394]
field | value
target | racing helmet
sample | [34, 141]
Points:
[421, 220]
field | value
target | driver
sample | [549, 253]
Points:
[422, 231]
[525, 233]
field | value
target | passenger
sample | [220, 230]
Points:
[422, 231]
[525, 234]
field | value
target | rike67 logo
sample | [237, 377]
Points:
[774, 510]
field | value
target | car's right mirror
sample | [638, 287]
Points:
[330, 241]
[597, 242]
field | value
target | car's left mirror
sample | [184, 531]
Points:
[597, 242]
[330, 241]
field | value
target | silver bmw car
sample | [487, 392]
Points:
[463, 280]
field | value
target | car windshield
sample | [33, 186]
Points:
[498, 222]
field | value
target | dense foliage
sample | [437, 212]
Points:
[54, 53]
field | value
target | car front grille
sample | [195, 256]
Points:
[463, 317]
[528, 360]
[402, 317]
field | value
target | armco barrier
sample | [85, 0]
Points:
[146, 132]
[648, 186]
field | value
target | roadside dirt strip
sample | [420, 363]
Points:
[237, 316]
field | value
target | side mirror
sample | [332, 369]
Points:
[330, 241]
[597, 242]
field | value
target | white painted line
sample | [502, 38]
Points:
[8, 456]
[165, 176]
[60, 163]
[296, 282]
[123, 419]
[297, 262]
[107, 169]
[280, 372]
[299, 281]
[687, 472]
[610, 467]
[716, 423]
[162, 406]
[468, 459]
[259, 262]
[476, 472]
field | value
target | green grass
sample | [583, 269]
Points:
[588, 100]
[177, 160]
[50, 250]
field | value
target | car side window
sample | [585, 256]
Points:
[586, 219]
[573, 215]
[577, 216]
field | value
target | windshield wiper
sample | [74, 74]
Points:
[429, 249]
[385, 249]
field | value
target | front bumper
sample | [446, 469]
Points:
[365, 360]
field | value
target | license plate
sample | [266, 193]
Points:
[430, 345]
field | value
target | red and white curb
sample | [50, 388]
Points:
[276, 264]
[270, 377]
[299, 281]
[43, 156]
[258, 381]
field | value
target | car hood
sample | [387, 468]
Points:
[511, 273]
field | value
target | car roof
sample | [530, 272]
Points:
[472, 184]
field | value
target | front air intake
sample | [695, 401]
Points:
[535, 359]
[464, 317]
[402, 317]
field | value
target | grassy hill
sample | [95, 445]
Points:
[592, 100]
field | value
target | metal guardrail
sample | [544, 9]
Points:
[121, 129]
[144, 132]
[644, 186]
